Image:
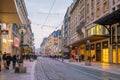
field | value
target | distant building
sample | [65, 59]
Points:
[50, 45]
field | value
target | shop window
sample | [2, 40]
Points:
[86, 55]
[92, 53]
[114, 56]
[82, 51]
[118, 55]
[105, 57]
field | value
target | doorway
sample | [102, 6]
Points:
[98, 52]
[98, 55]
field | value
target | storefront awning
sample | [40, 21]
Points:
[110, 19]
[8, 12]
[90, 38]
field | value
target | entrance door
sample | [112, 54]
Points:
[98, 55]
[98, 52]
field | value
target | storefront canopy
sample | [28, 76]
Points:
[109, 19]
[8, 12]
[90, 38]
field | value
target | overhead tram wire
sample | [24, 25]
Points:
[49, 12]
[59, 25]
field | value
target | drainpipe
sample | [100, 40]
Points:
[111, 49]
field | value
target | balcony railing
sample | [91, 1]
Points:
[81, 25]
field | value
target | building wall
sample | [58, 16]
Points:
[94, 11]
[74, 21]
[22, 11]
[91, 11]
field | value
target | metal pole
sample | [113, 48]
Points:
[111, 40]
[21, 48]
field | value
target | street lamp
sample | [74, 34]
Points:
[22, 31]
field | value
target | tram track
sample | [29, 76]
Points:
[54, 70]
[49, 72]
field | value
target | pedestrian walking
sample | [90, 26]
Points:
[4, 59]
[82, 57]
[62, 56]
[0, 60]
[17, 58]
[77, 58]
[93, 58]
[14, 60]
[8, 60]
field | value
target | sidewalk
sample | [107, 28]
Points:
[112, 68]
[10, 75]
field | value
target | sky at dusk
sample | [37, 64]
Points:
[44, 23]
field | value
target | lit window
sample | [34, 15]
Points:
[98, 12]
[105, 6]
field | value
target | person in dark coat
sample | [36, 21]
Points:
[4, 59]
[14, 60]
[8, 60]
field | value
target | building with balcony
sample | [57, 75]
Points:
[94, 29]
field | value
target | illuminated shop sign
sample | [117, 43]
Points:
[16, 42]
